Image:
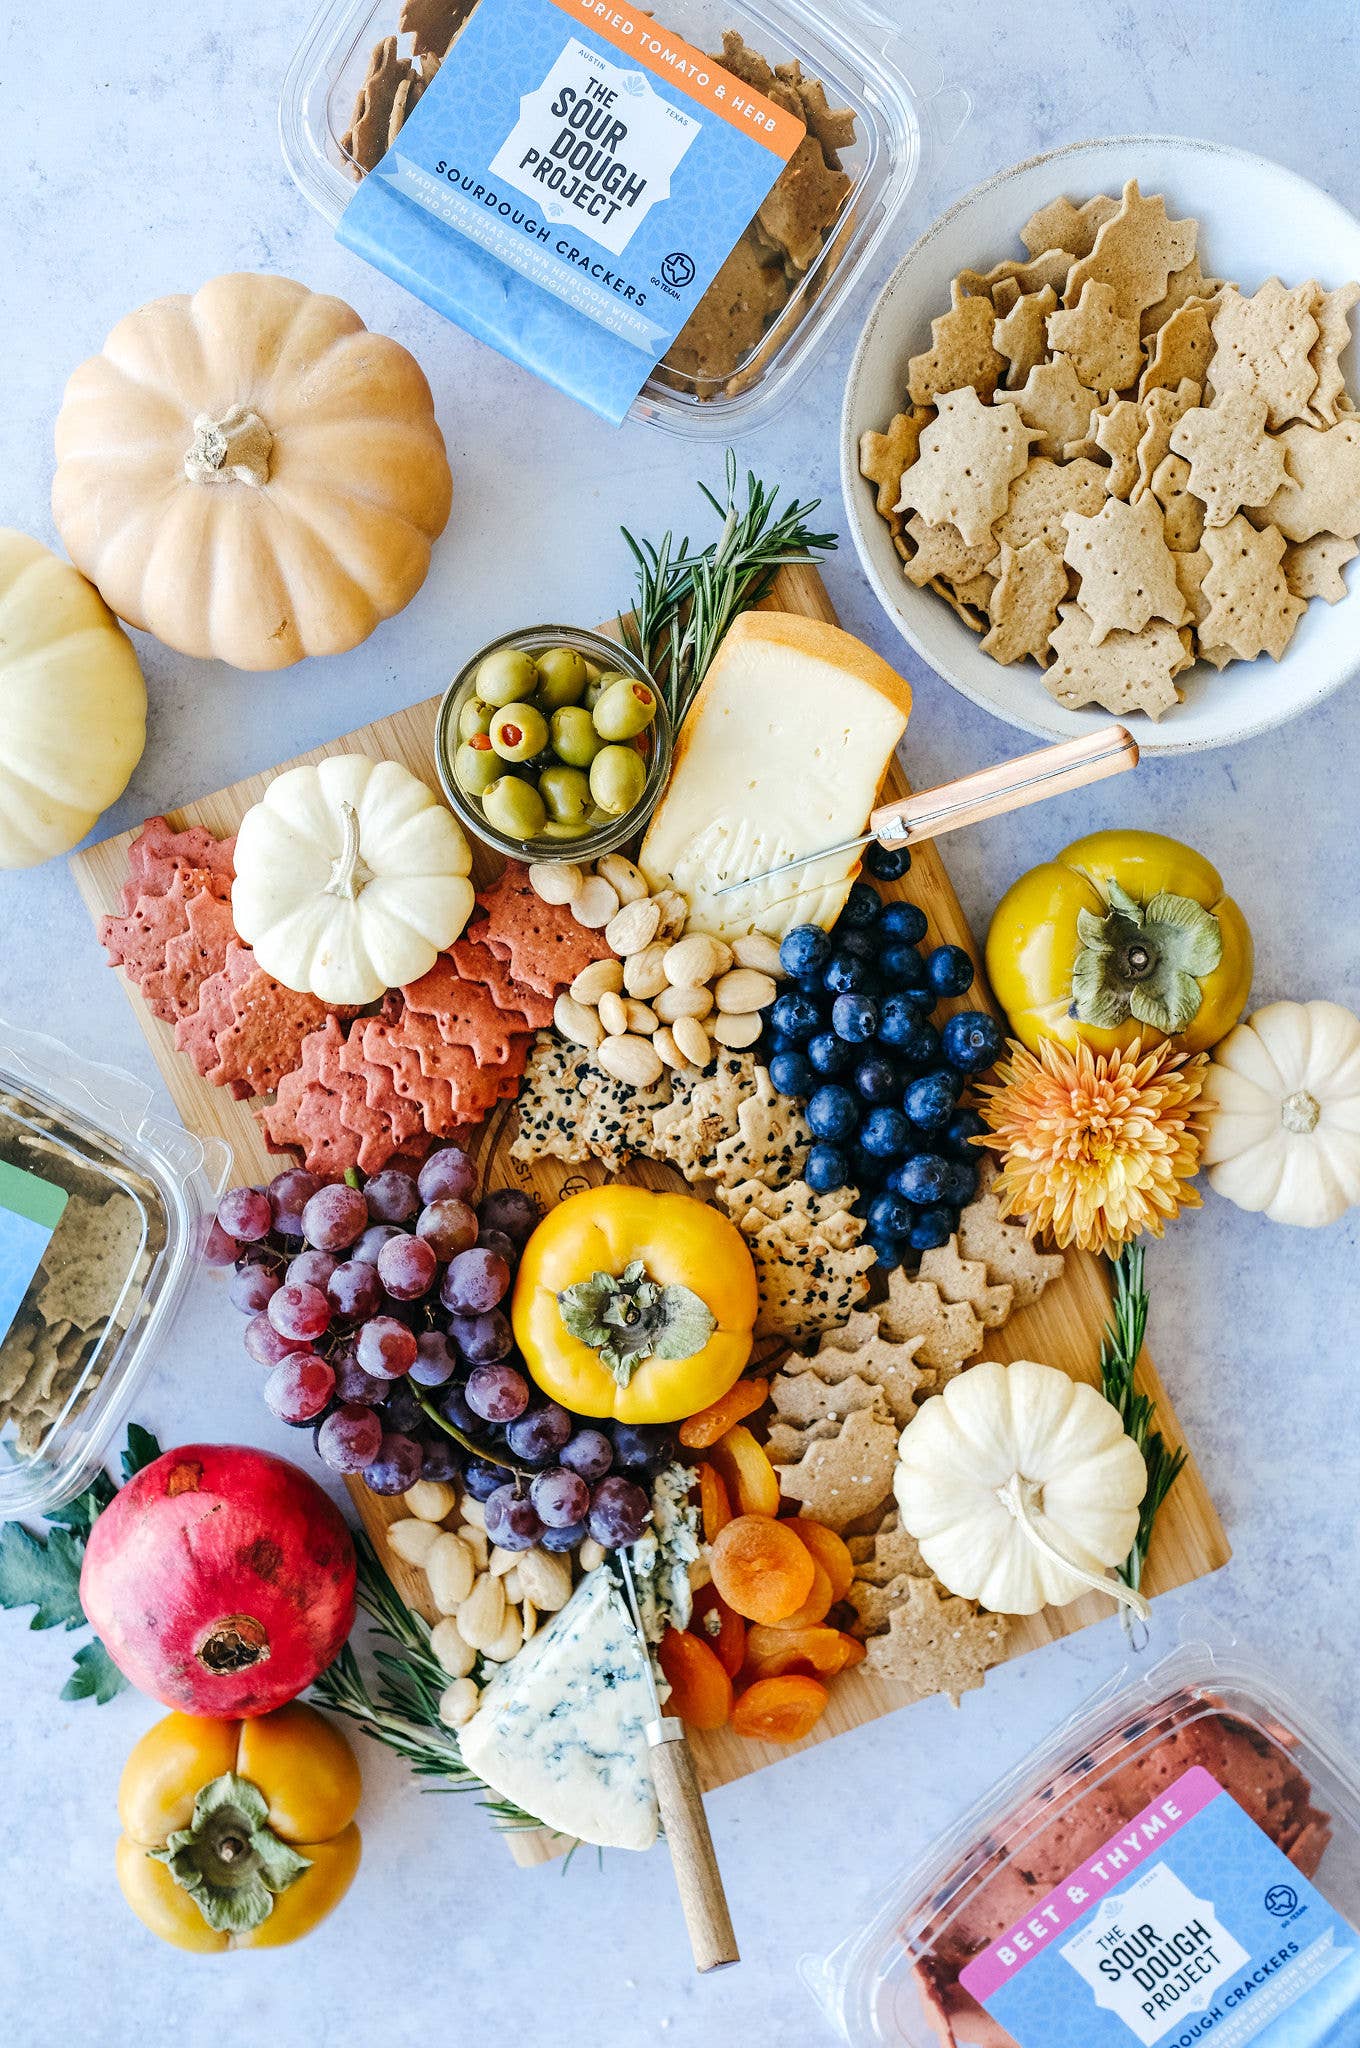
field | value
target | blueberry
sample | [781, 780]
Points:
[827, 1169]
[844, 973]
[887, 863]
[859, 944]
[922, 1179]
[795, 1017]
[949, 971]
[920, 1047]
[899, 1020]
[791, 1073]
[903, 969]
[876, 1077]
[934, 1226]
[832, 1112]
[829, 1054]
[961, 1184]
[888, 1251]
[803, 949]
[890, 1216]
[904, 921]
[929, 1101]
[862, 906]
[779, 1041]
[885, 1134]
[810, 985]
[866, 1170]
[972, 1040]
[855, 1018]
[963, 1125]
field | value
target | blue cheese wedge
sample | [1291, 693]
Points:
[561, 1730]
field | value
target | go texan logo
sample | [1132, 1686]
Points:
[596, 146]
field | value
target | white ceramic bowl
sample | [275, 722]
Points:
[1257, 220]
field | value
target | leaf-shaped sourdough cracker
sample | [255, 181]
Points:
[1117, 434]
[1125, 672]
[960, 1279]
[1061, 225]
[1263, 344]
[970, 455]
[805, 1285]
[858, 1352]
[552, 1100]
[960, 353]
[1182, 511]
[1135, 252]
[1004, 1247]
[803, 203]
[701, 1113]
[935, 1642]
[1160, 411]
[946, 1332]
[803, 1398]
[883, 458]
[888, 1553]
[618, 1118]
[1182, 286]
[1000, 283]
[771, 1140]
[1054, 401]
[1251, 607]
[1323, 494]
[1024, 604]
[942, 551]
[1233, 460]
[1332, 312]
[840, 1478]
[1021, 334]
[1043, 494]
[1313, 568]
[1102, 347]
[1127, 575]
[1184, 348]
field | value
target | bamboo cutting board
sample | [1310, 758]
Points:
[1063, 1327]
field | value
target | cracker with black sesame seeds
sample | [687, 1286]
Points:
[558, 1081]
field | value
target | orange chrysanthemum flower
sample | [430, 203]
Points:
[1095, 1147]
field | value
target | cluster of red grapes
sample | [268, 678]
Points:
[378, 1313]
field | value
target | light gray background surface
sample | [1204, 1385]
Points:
[138, 155]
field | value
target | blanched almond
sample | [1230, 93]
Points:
[430, 1499]
[482, 1615]
[692, 1040]
[758, 950]
[530, 1613]
[590, 1555]
[451, 1653]
[514, 1591]
[627, 882]
[546, 1579]
[509, 1641]
[458, 1702]
[695, 960]
[644, 975]
[449, 1572]
[577, 1022]
[613, 1016]
[641, 1019]
[476, 1541]
[743, 989]
[737, 1031]
[634, 927]
[595, 904]
[600, 978]
[503, 1562]
[674, 912]
[556, 881]
[412, 1540]
[632, 1060]
[686, 1000]
[667, 1050]
[470, 1510]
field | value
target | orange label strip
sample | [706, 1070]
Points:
[705, 81]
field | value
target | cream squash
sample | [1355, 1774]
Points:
[1283, 1099]
[72, 704]
[351, 877]
[250, 474]
[1021, 1487]
[781, 753]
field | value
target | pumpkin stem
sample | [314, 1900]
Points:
[1017, 1497]
[1144, 961]
[235, 449]
[349, 876]
[1299, 1112]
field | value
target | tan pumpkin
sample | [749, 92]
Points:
[72, 704]
[250, 474]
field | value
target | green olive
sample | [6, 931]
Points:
[574, 738]
[618, 776]
[566, 792]
[552, 830]
[476, 767]
[514, 807]
[625, 710]
[474, 717]
[599, 683]
[561, 677]
[518, 732]
[505, 676]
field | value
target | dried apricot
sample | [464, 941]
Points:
[817, 1605]
[822, 1652]
[715, 1624]
[751, 1479]
[701, 1691]
[714, 1506]
[760, 1568]
[780, 1709]
[828, 1549]
[700, 1432]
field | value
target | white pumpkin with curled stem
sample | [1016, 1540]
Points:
[1022, 1488]
[1283, 1102]
[351, 878]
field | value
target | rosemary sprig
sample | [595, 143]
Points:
[1120, 1345]
[402, 1708]
[685, 602]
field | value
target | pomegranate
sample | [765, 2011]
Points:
[221, 1580]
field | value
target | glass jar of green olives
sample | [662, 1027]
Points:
[553, 743]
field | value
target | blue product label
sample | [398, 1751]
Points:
[569, 186]
[1189, 1926]
[30, 1210]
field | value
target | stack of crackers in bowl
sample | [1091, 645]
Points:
[1111, 462]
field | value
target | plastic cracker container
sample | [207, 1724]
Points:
[858, 56]
[1180, 1866]
[102, 1206]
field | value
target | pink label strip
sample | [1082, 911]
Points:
[1112, 1865]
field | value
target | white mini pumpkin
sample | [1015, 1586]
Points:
[1021, 1487]
[72, 704]
[351, 877]
[1283, 1102]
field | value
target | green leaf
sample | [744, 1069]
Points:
[81, 1514]
[42, 1573]
[96, 1676]
[142, 1450]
